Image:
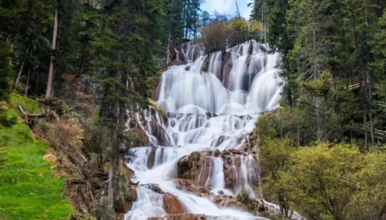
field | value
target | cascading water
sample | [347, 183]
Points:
[212, 102]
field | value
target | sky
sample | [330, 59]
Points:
[227, 7]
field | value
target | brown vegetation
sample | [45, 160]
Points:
[218, 36]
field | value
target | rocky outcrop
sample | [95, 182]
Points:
[148, 123]
[193, 188]
[196, 167]
[171, 204]
[228, 201]
[189, 166]
[226, 68]
[138, 137]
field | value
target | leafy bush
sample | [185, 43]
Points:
[7, 118]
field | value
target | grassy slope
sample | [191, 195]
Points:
[28, 189]
[29, 106]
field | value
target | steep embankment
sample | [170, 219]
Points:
[28, 188]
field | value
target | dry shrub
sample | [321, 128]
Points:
[214, 37]
[218, 36]
[61, 134]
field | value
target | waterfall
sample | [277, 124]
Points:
[213, 102]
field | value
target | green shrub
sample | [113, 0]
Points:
[7, 118]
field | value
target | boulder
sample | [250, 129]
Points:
[188, 167]
[228, 201]
[191, 187]
[179, 63]
[172, 205]
[130, 198]
[153, 187]
[234, 151]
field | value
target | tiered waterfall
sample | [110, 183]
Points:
[212, 102]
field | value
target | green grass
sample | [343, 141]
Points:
[28, 189]
[29, 106]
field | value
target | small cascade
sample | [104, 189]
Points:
[247, 175]
[148, 204]
[213, 102]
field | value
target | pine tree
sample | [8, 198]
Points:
[5, 70]
[123, 48]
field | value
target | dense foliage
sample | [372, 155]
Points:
[100, 50]
[333, 64]
[322, 151]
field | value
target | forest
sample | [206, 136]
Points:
[322, 151]
[71, 69]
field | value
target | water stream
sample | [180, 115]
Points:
[213, 102]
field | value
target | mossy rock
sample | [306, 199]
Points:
[160, 111]
[138, 137]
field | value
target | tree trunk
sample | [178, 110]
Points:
[51, 70]
[368, 83]
[365, 126]
[26, 87]
[168, 51]
[18, 76]
[371, 128]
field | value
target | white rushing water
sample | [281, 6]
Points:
[234, 87]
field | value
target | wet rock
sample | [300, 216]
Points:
[151, 158]
[191, 187]
[127, 171]
[138, 136]
[179, 63]
[188, 167]
[231, 166]
[228, 201]
[226, 153]
[181, 217]
[219, 141]
[261, 208]
[217, 153]
[234, 151]
[155, 93]
[153, 187]
[205, 65]
[131, 197]
[159, 133]
[226, 68]
[172, 205]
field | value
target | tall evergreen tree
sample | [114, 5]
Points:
[127, 35]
